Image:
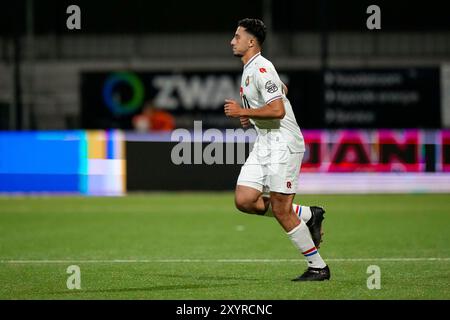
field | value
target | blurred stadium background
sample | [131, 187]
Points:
[91, 112]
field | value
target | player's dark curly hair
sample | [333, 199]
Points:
[255, 27]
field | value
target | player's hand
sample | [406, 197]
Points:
[232, 109]
[245, 122]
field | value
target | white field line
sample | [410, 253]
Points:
[217, 260]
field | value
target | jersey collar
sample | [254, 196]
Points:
[252, 59]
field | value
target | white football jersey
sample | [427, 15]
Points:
[261, 85]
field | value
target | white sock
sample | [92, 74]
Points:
[301, 238]
[303, 212]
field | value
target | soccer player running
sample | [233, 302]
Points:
[274, 163]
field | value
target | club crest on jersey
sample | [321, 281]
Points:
[262, 70]
[271, 87]
[247, 81]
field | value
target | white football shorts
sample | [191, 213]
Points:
[271, 170]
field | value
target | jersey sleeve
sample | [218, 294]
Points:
[268, 84]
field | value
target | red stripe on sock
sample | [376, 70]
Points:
[310, 250]
[296, 210]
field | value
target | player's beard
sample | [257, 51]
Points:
[237, 53]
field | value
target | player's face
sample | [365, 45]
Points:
[241, 42]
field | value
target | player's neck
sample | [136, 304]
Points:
[249, 55]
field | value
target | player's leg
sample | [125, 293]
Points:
[293, 162]
[312, 216]
[283, 185]
[285, 177]
[250, 186]
[300, 236]
[282, 210]
[303, 212]
[248, 199]
[253, 201]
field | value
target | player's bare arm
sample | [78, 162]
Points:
[273, 110]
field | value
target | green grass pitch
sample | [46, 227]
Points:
[197, 246]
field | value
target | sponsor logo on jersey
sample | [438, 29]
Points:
[271, 87]
[262, 70]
